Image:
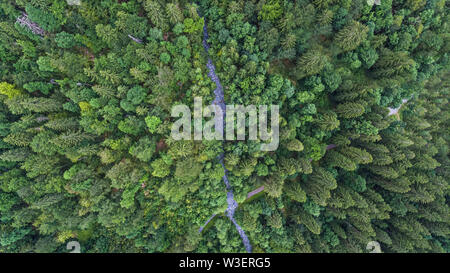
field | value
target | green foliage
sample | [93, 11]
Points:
[86, 151]
[42, 87]
[65, 40]
[351, 36]
[310, 63]
[152, 123]
[143, 149]
[271, 10]
[161, 167]
[44, 18]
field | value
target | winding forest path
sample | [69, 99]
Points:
[219, 101]
[394, 111]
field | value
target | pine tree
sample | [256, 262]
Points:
[155, 14]
[70, 139]
[174, 13]
[328, 121]
[19, 139]
[391, 64]
[308, 220]
[294, 191]
[351, 36]
[360, 156]
[304, 166]
[310, 63]
[294, 145]
[350, 110]
[273, 185]
[335, 158]
[21, 105]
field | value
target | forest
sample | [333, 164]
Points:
[86, 154]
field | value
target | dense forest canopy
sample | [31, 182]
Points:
[86, 154]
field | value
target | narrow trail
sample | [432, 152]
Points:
[219, 101]
[394, 111]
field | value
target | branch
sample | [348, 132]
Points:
[24, 21]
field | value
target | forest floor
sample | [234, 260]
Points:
[394, 111]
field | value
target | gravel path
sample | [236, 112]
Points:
[394, 111]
